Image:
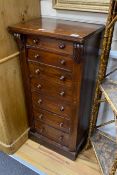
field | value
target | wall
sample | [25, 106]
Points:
[13, 119]
[47, 11]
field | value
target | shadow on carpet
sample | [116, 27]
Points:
[9, 166]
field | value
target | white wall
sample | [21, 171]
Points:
[49, 12]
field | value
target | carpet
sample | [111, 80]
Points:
[10, 166]
[105, 150]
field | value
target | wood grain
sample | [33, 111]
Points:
[52, 119]
[42, 72]
[9, 57]
[63, 30]
[52, 163]
[12, 105]
[61, 61]
[60, 46]
[12, 13]
[13, 121]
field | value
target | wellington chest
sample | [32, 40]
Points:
[59, 61]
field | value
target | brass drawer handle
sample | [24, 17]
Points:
[62, 62]
[61, 138]
[62, 108]
[40, 116]
[62, 46]
[37, 71]
[62, 78]
[39, 101]
[37, 56]
[35, 41]
[39, 86]
[62, 93]
[61, 125]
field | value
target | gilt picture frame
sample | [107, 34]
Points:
[83, 5]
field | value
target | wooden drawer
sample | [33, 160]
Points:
[53, 89]
[52, 119]
[52, 74]
[52, 104]
[52, 133]
[51, 44]
[64, 62]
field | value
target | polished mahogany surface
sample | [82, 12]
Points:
[69, 30]
[59, 62]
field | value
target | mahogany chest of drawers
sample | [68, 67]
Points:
[59, 61]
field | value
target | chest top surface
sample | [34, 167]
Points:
[69, 30]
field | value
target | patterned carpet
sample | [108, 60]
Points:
[9, 166]
[105, 150]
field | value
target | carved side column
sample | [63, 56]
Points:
[21, 42]
[78, 52]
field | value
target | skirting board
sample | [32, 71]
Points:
[12, 148]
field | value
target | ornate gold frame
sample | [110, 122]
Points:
[82, 5]
[112, 18]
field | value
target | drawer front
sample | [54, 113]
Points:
[52, 133]
[51, 44]
[64, 62]
[53, 120]
[52, 104]
[47, 72]
[54, 90]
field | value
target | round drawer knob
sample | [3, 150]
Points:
[61, 125]
[39, 86]
[39, 101]
[62, 108]
[62, 62]
[40, 116]
[37, 71]
[62, 46]
[62, 78]
[61, 138]
[62, 93]
[37, 56]
[35, 41]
